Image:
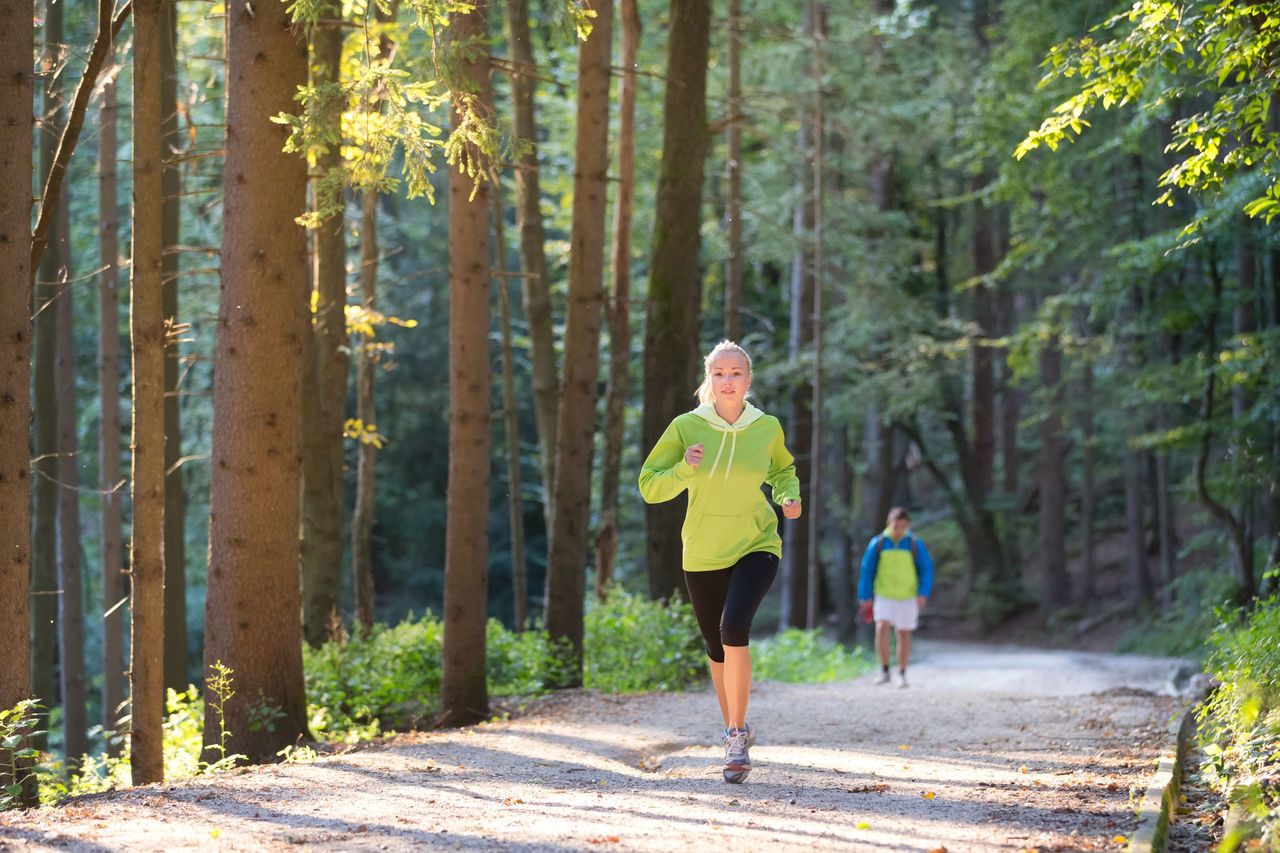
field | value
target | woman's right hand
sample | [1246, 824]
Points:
[693, 455]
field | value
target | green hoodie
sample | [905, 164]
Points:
[728, 516]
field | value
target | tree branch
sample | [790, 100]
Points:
[108, 29]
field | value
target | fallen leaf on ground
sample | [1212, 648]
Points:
[1119, 839]
[862, 824]
[904, 746]
[603, 839]
[928, 795]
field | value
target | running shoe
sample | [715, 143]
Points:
[902, 678]
[884, 677]
[737, 761]
[751, 736]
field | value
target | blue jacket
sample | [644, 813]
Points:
[871, 560]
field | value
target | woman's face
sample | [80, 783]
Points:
[730, 376]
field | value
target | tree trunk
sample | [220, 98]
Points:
[325, 381]
[253, 603]
[794, 568]
[147, 349]
[1088, 489]
[44, 569]
[1010, 404]
[981, 360]
[366, 371]
[619, 313]
[510, 420]
[1054, 589]
[113, 671]
[733, 170]
[70, 569]
[1241, 547]
[674, 274]
[814, 581]
[536, 289]
[17, 44]
[841, 504]
[464, 694]
[567, 560]
[176, 674]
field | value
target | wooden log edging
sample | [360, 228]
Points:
[1161, 798]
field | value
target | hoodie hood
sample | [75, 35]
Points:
[750, 414]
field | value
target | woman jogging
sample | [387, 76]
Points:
[730, 534]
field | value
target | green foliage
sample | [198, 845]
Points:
[632, 643]
[1240, 723]
[806, 656]
[1159, 53]
[1185, 626]
[17, 726]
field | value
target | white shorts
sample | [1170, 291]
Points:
[902, 613]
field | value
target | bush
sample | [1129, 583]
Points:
[806, 656]
[1185, 627]
[1240, 723]
[632, 643]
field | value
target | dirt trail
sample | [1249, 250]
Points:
[989, 749]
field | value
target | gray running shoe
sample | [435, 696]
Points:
[884, 677]
[902, 679]
[737, 761]
[751, 736]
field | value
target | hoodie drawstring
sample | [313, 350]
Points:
[732, 449]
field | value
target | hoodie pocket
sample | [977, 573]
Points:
[721, 538]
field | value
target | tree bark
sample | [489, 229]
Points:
[575, 431]
[325, 381]
[1241, 547]
[113, 565]
[17, 44]
[814, 582]
[44, 569]
[70, 569]
[510, 420]
[464, 694]
[1010, 406]
[794, 566]
[147, 349]
[1054, 589]
[1088, 489]
[671, 328]
[981, 357]
[175, 493]
[253, 602]
[536, 289]
[366, 371]
[843, 582]
[733, 179]
[618, 313]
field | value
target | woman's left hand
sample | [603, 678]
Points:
[791, 509]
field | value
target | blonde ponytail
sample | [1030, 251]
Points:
[704, 393]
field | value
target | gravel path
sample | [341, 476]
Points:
[989, 749]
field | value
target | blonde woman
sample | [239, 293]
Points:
[730, 534]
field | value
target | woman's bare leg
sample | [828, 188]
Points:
[717, 679]
[737, 683]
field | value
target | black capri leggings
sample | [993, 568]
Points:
[725, 600]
